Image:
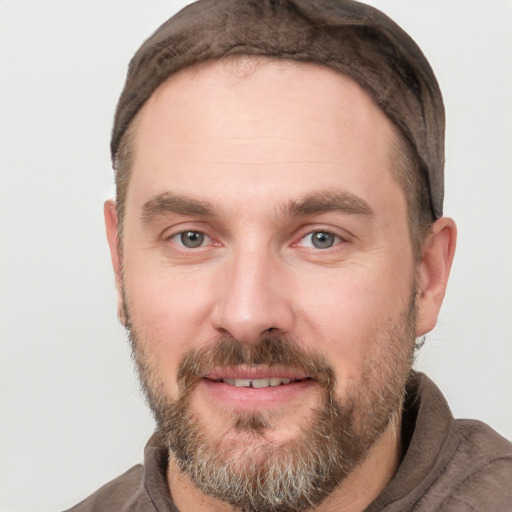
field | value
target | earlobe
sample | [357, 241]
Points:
[437, 256]
[110, 214]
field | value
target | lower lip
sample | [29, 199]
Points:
[243, 398]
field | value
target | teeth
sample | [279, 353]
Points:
[260, 383]
[257, 383]
[243, 383]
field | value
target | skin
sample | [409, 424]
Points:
[251, 140]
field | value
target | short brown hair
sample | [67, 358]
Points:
[350, 37]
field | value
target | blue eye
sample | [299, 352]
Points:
[191, 239]
[320, 240]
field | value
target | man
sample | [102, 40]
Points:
[279, 246]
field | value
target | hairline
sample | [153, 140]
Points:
[404, 160]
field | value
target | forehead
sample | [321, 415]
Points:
[235, 122]
[221, 95]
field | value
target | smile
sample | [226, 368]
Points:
[259, 383]
[248, 389]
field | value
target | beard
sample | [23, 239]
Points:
[296, 474]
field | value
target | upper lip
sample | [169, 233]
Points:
[253, 373]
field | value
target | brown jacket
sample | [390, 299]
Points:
[449, 465]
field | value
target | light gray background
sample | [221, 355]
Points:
[71, 417]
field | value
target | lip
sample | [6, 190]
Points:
[254, 372]
[254, 399]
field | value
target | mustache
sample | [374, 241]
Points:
[271, 352]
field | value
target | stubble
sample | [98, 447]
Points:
[331, 442]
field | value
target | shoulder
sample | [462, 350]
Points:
[483, 451]
[479, 474]
[120, 494]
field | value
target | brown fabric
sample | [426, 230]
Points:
[449, 466]
[350, 37]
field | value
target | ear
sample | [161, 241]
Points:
[110, 213]
[436, 261]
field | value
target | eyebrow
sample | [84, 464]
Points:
[313, 204]
[329, 201]
[169, 203]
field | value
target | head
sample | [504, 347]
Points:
[279, 251]
[353, 38]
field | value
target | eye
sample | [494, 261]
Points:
[320, 240]
[190, 239]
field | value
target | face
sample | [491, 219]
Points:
[267, 271]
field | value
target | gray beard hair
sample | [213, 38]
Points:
[299, 473]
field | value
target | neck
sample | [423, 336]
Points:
[354, 494]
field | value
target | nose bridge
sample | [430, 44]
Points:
[253, 297]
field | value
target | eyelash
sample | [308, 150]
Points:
[334, 240]
[177, 238]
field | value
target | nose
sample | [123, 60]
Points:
[254, 297]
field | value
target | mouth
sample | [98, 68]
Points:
[255, 388]
[269, 382]
[256, 376]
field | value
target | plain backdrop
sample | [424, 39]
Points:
[71, 415]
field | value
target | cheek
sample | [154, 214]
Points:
[169, 314]
[346, 318]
